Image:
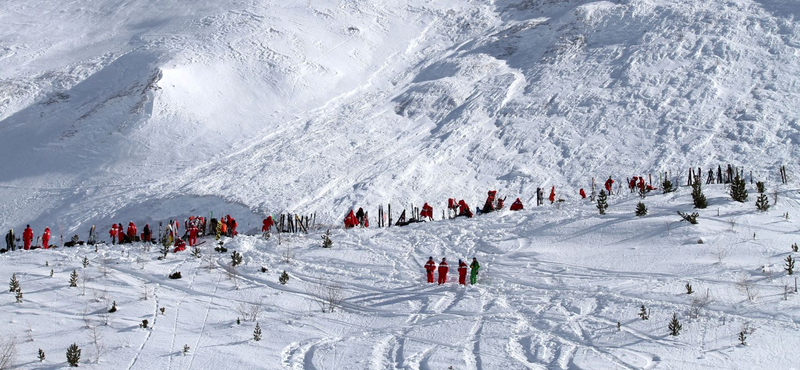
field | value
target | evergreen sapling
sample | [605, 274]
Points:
[789, 265]
[257, 333]
[284, 278]
[18, 295]
[641, 209]
[326, 239]
[602, 204]
[85, 262]
[73, 355]
[689, 288]
[674, 326]
[762, 203]
[41, 355]
[666, 186]
[739, 190]
[13, 285]
[644, 313]
[698, 197]
[236, 258]
[73, 279]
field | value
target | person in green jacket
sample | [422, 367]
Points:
[474, 267]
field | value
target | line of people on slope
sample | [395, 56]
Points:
[443, 269]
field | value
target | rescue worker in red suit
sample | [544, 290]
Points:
[193, 230]
[463, 209]
[232, 226]
[113, 234]
[147, 235]
[552, 194]
[427, 211]
[266, 224]
[27, 237]
[609, 185]
[443, 271]
[131, 231]
[517, 205]
[180, 245]
[632, 183]
[583, 194]
[46, 238]
[430, 267]
[462, 272]
[350, 220]
[489, 205]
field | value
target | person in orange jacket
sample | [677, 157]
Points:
[443, 271]
[430, 267]
[27, 237]
[131, 231]
[193, 230]
[113, 234]
[46, 238]
[462, 272]
[552, 194]
[267, 224]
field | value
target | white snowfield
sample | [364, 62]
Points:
[558, 289]
[114, 111]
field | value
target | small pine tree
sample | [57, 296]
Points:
[739, 190]
[85, 262]
[666, 186]
[196, 252]
[689, 288]
[73, 279]
[257, 333]
[698, 197]
[13, 285]
[794, 247]
[164, 250]
[789, 265]
[113, 307]
[691, 218]
[674, 326]
[602, 205]
[238, 322]
[18, 295]
[644, 314]
[73, 355]
[762, 203]
[41, 355]
[760, 187]
[326, 239]
[185, 349]
[641, 209]
[284, 278]
[743, 337]
[236, 258]
[51, 272]
[144, 324]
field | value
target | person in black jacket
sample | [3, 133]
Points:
[10, 241]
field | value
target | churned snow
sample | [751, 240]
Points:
[120, 110]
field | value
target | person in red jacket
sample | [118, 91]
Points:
[193, 230]
[113, 234]
[552, 194]
[583, 194]
[427, 212]
[462, 272]
[27, 237]
[46, 238]
[232, 226]
[609, 185]
[489, 205]
[180, 246]
[443, 271]
[350, 220]
[516, 206]
[267, 224]
[430, 267]
[131, 231]
[463, 209]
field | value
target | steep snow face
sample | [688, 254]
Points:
[319, 106]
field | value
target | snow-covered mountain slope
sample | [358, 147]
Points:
[557, 289]
[110, 108]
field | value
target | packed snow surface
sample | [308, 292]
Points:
[131, 110]
[111, 107]
[553, 288]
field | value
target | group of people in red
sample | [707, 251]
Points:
[359, 218]
[27, 238]
[121, 236]
[443, 268]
